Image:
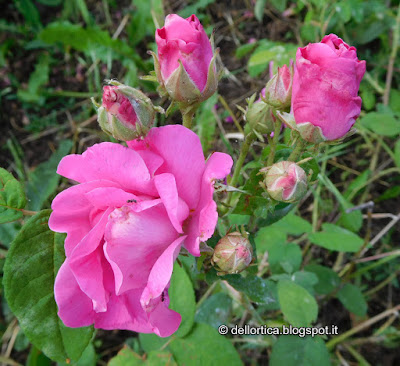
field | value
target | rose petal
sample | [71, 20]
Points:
[74, 307]
[85, 263]
[177, 209]
[160, 274]
[202, 224]
[184, 160]
[134, 241]
[74, 214]
[111, 162]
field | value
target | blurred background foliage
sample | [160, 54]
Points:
[56, 54]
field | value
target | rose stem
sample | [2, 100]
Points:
[296, 153]
[187, 117]
[238, 166]
[277, 132]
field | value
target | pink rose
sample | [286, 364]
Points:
[325, 86]
[186, 61]
[126, 222]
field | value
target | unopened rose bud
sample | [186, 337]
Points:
[278, 91]
[286, 181]
[185, 65]
[259, 116]
[125, 113]
[232, 254]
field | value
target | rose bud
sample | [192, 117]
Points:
[278, 91]
[185, 65]
[259, 116]
[125, 113]
[326, 80]
[286, 181]
[232, 254]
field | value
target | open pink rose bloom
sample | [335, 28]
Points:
[126, 222]
[325, 86]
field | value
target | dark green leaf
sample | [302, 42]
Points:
[29, 12]
[29, 273]
[328, 280]
[257, 289]
[182, 299]
[12, 197]
[353, 299]
[215, 310]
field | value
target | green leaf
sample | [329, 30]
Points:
[152, 342]
[291, 350]
[37, 80]
[353, 299]
[381, 124]
[12, 197]
[159, 359]
[87, 40]
[328, 280]
[336, 238]
[204, 346]
[8, 232]
[390, 193]
[215, 310]
[29, 12]
[259, 9]
[206, 123]
[394, 100]
[305, 279]
[29, 273]
[268, 237]
[187, 11]
[297, 305]
[43, 181]
[37, 358]
[282, 256]
[292, 224]
[257, 289]
[356, 185]
[280, 53]
[126, 357]
[182, 299]
[245, 49]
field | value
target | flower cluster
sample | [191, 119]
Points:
[135, 207]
